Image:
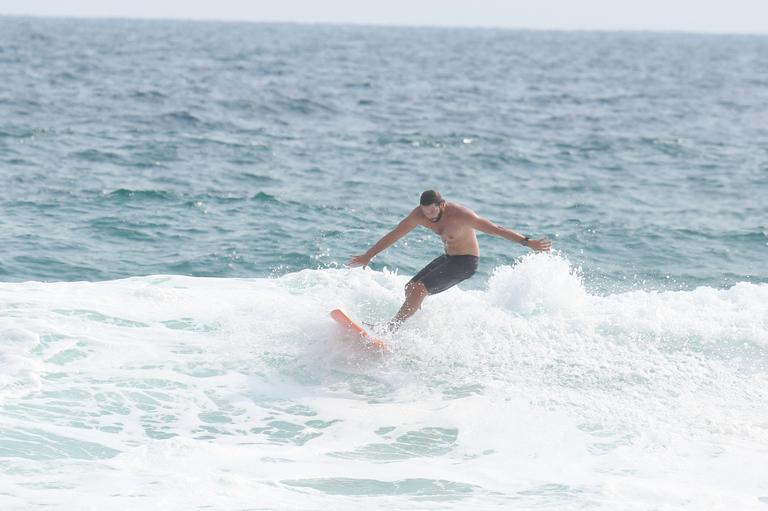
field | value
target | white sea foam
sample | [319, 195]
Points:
[175, 392]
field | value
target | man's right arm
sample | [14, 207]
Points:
[404, 227]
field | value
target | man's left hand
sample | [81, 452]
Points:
[542, 245]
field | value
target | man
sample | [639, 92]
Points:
[456, 225]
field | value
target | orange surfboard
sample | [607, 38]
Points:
[371, 342]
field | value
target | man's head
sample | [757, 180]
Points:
[432, 205]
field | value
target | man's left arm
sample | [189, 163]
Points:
[483, 224]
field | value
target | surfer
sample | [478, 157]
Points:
[456, 225]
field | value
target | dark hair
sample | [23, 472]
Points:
[431, 197]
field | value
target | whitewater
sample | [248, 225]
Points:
[179, 392]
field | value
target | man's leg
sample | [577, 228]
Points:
[415, 292]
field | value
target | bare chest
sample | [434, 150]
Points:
[448, 230]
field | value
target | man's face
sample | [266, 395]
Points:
[432, 211]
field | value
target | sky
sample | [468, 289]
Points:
[711, 16]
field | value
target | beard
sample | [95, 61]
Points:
[437, 218]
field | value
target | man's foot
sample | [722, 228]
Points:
[381, 328]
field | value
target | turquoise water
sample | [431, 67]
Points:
[240, 150]
[179, 199]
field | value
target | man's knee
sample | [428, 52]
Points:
[416, 288]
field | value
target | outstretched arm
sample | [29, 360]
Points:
[488, 227]
[403, 228]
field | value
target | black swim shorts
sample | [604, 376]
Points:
[446, 271]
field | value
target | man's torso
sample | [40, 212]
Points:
[455, 229]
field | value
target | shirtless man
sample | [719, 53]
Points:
[456, 225]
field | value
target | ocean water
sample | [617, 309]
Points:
[179, 199]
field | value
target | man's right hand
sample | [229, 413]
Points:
[361, 260]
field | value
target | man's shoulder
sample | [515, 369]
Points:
[461, 211]
[416, 216]
[415, 213]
